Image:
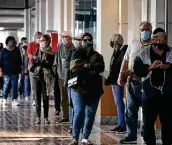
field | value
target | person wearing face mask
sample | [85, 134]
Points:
[154, 66]
[31, 50]
[41, 74]
[24, 81]
[10, 68]
[134, 85]
[59, 67]
[86, 66]
[118, 91]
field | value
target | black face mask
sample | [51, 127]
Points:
[111, 44]
[160, 45]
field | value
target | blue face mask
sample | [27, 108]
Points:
[64, 41]
[10, 45]
[145, 35]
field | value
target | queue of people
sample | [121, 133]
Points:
[30, 70]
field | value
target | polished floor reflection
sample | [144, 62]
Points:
[17, 128]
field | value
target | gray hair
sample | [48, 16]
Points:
[117, 37]
[147, 23]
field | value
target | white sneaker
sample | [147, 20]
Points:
[15, 103]
[5, 102]
[33, 103]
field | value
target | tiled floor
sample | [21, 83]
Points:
[17, 128]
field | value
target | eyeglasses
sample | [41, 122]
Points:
[85, 40]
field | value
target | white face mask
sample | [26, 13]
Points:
[76, 43]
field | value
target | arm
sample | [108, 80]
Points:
[97, 64]
[29, 51]
[1, 63]
[141, 69]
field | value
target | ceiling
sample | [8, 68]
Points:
[12, 13]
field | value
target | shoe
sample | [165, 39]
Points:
[63, 121]
[121, 130]
[70, 131]
[33, 103]
[115, 129]
[57, 112]
[5, 102]
[73, 142]
[46, 121]
[86, 142]
[38, 121]
[15, 103]
[127, 140]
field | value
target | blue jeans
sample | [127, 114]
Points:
[13, 80]
[70, 108]
[84, 114]
[24, 85]
[118, 93]
[134, 101]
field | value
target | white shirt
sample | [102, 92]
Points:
[131, 53]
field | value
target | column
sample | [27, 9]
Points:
[36, 15]
[169, 22]
[134, 19]
[123, 19]
[59, 15]
[107, 25]
[69, 15]
[26, 23]
[157, 13]
[144, 10]
[49, 14]
[42, 16]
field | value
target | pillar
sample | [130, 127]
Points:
[69, 15]
[144, 10]
[59, 15]
[123, 19]
[134, 19]
[36, 15]
[157, 14]
[42, 16]
[26, 23]
[107, 25]
[49, 14]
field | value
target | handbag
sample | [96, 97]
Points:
[76, 82]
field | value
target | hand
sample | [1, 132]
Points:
[155, 64]
[86, 65]
[164, 66]
[125, 74]
[34, 57]
[121, 80]
[1, 74]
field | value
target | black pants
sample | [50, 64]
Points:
[57, 98]
[158, 105]
[39, 88]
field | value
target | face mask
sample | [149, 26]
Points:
[145, 35]
[111, 44]
[159, 46]
[64, 41]
[87, 44]
[42, 44]
[10, 45]
[25, 47]
[76, 43]
[37, 40]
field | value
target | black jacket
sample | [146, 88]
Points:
[91, 73]
[115, 65]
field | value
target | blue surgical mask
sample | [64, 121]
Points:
[87, 44]
[64, 41]
[145, 35]
[38, 40]
[10, 45]
[76, 43]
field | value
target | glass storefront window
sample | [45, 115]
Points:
[85, 16]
